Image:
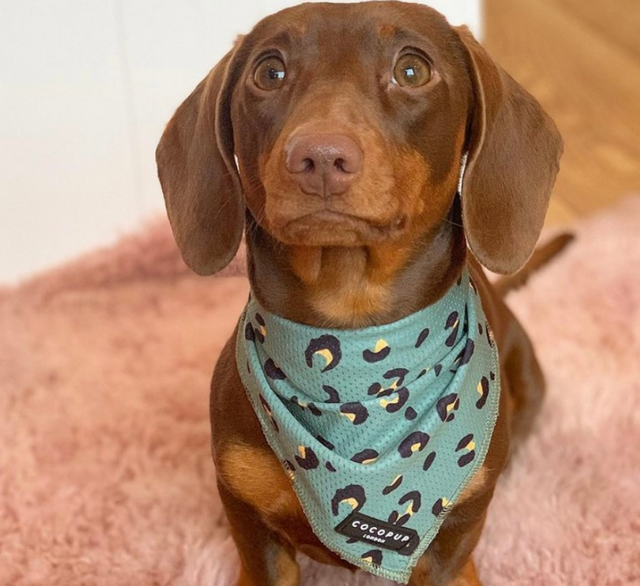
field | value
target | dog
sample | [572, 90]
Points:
[372, 154]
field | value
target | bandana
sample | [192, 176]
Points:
[380, 429]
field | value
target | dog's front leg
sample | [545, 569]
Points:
[265, 559]
[425, 574]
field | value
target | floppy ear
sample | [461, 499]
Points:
[514, 155]
[199, 178]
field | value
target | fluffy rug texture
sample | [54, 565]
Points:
[105, 472]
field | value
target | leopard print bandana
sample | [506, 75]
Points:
[380, 429]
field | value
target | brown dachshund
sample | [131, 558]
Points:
[333, 134]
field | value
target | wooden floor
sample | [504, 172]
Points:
[581, 59]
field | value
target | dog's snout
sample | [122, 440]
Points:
[324, 164]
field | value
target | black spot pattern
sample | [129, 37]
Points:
[464, 441]
[453, 321]
[438, 507]
[334, 396]
[325, 442]
[410, 414]
[397, 481]
[447, 406]
[397, 400]
[428, 461]
[422, 337]
[469, 450]
[330, 347]
[314, 410]
[375, 389]
[398, 373]
[414, 501]
[483, 391]
[371, 356]
[273, 371]
[373, 556]
[307, 458]
[309, 406]
[355, 412]
[365, 456]
[267, 409]
[353, 494]
[415, 442]
[465, 356]
[414, 497]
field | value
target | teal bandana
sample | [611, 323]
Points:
[380, 429]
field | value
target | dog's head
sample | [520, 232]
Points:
[345, 125]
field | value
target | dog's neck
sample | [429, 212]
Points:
[353, 287]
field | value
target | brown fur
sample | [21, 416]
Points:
[391, 245]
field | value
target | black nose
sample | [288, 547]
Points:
[324, 164]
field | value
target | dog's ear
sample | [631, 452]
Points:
[514, 155]
[198, 174]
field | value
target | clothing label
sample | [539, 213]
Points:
[377, 532]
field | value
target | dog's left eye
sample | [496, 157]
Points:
[270, 73]
[411, 71]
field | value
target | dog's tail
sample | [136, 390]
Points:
[540, 258]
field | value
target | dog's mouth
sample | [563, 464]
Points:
[333, 228]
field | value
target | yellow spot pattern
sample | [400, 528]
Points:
[326, 354]
[380, 345]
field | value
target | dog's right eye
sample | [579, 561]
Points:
[270, 73]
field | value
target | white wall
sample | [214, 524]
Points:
[86, 87]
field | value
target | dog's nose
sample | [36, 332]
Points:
[324, 164]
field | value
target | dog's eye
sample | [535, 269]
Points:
[411, 71]
[270, 73]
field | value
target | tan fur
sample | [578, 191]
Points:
[257, 476]
[475, 485]
[468, 576]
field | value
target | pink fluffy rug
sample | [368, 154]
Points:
[105, 474]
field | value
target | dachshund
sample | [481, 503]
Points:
[369, 152]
